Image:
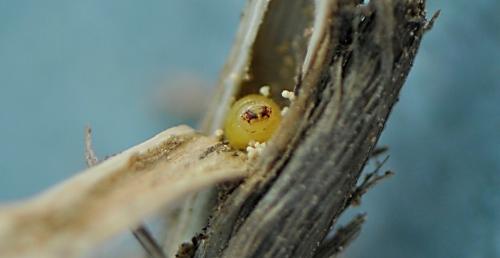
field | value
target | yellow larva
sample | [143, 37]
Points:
[251, 118]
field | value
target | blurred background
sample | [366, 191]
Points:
[130, 69]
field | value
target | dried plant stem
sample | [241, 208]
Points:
[356, 62]
[116, 194]
[141, 233]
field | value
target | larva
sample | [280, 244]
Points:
[251, 118]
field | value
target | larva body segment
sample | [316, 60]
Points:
[251, 118]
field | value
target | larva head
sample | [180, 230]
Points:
[251, 118]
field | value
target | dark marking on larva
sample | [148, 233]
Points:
[266, 112]
[257, 113]
[249, 115]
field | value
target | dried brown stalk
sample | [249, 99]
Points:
[116, 195]
[356, 61]
[140, 232]
[346, 62]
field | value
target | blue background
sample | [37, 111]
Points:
[109, 64]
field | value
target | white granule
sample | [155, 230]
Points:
[219, 133]
[254, 149]
[288, 95]
[265, 91]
